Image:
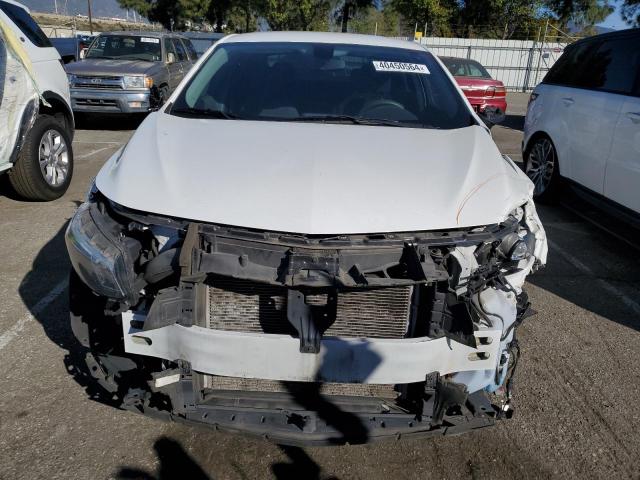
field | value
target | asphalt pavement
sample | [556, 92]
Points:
[577, 387]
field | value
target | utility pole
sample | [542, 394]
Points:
[90, 20]
[55, 4]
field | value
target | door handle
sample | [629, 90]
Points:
[568, 101]
[634, 116]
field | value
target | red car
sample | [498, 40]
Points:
[476, 83]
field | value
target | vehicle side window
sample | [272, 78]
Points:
[568, 69]
[192, 51]
[478, 71]
[26, 24]
[613, 67]
[168, 47]
[182, 53]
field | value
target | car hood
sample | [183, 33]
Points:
[314, 178]
[104, 66]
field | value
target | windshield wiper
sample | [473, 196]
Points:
[204, 113]
[346, 118]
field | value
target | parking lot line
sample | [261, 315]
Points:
[44, 302]
[609, 287]
[93, 152]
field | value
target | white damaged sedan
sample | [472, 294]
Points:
[315, 241]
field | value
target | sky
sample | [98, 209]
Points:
[615, 20]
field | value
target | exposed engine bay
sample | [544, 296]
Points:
[303, 338]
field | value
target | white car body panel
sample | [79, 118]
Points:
[314, 178]
[47, 74]
[343, 360]
[622, 180]
[592, 117]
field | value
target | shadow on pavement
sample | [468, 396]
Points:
[50, 267]
[301, 466]
[175, 463]
[583, 258]
[90, 121]
[514, 122]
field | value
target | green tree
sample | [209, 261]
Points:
[172, 14]
[436, 15]
[581, 13]
[349, 9]
[631, 12]
[383, 21]
[295, 14]
[498, 18]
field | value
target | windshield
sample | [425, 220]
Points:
[126, 47]
[318, 82]
[459, 67]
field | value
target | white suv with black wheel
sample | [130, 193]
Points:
[583, 122]
[36, 122]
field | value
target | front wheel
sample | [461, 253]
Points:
[44, 166]
[541, 166]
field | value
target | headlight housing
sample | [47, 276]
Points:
[137, 81]
[71, 78]
[517, 246]
[100, 258]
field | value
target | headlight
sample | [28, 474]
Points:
[137, 81]
[515, 247]
[71, 78]
[98, 256]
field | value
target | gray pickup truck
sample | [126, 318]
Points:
[129, 72]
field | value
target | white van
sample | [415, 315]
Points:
[583, 122]
[36, 122]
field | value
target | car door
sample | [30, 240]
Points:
[183, 58]
[557, 98]
[193, 55]
[174, 67]
[622, 179]
[593, 116]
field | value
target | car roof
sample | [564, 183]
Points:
[459, 59]
[322, 37]
[204, 35]
[608, 35]
[18, 4]
[145, 34]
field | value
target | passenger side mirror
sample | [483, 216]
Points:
[492, 116]
[171, 57]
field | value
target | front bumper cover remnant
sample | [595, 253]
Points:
[278, 357]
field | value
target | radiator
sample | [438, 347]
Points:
[246, 306]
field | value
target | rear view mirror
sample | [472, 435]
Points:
[171, 57]
[491, 116]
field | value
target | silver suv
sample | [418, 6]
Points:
[126, 72]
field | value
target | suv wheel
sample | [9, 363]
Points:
[541, 166]
[44, 166]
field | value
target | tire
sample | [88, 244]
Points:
[48, 179]
[542, 167]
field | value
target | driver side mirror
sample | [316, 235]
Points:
[83, 53]
[171, 58]
[492, 116]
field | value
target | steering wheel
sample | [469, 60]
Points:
[372, 106]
